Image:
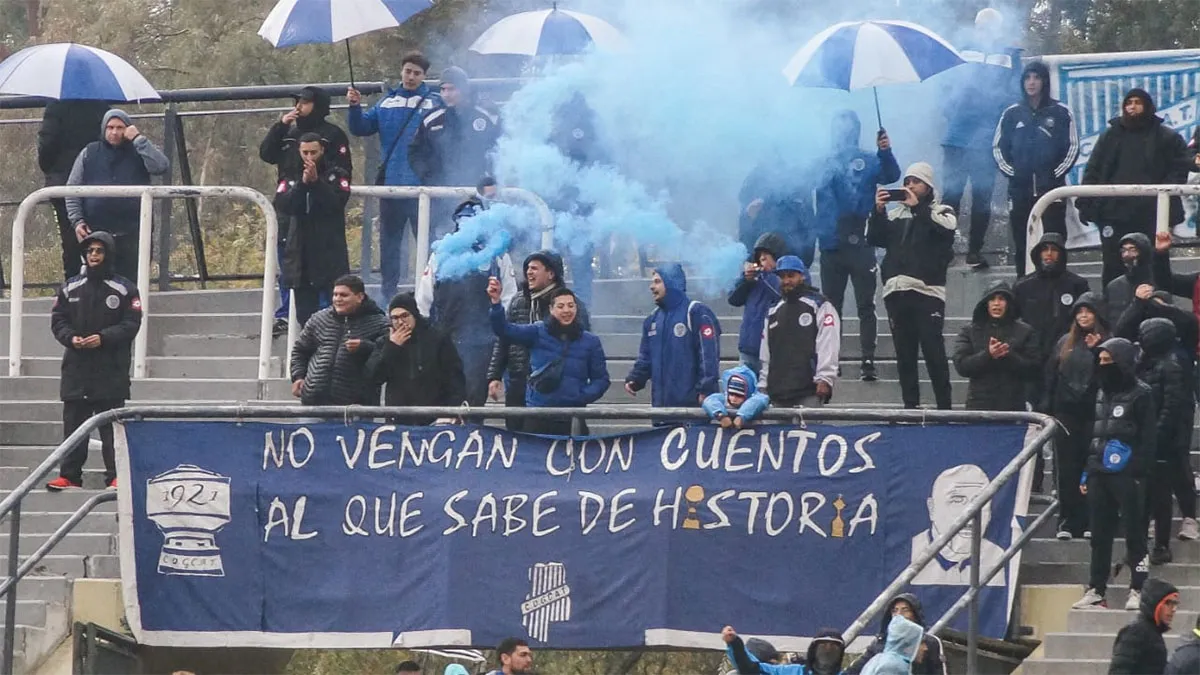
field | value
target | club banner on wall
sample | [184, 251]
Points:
[374, 535]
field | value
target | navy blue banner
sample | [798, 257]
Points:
[368, 535]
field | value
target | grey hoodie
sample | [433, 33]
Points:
[155, 161]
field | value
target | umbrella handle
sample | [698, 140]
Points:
[350, 62]
[878, 115]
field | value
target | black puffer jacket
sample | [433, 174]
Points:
[1139, 648]
[1160, 370]
[1125, 414]
[100, 303]
[1186, 659]
[1046, 298]
[1070, 380]
[424, 371]
[525, 309]
[996, 384]
[932, 664]
[332, 375]
[1121, 292]
[67, 127]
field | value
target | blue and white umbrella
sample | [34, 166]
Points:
[69, 71]
[860, 54]
[549, 32]
[297, 22]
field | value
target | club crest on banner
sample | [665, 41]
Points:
[189, 505]
[548, 600]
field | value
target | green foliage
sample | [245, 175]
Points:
[384, 662]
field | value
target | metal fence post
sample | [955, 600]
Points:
[145, 227]
[10, 600]
[423, 217]
[973, 608]
[170, 149]
[1163, 221]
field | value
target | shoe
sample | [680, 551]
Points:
[280, 328]
[868, 371]
[1189, 530]
[1087, 534]
[112, 484]
[1063, 535]
[1091, 600]
[976, 261]
[61, 483]
[1134, 601]
[1160, 556]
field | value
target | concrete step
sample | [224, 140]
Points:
[55, 565]
[846, 391]
[11, 476]
[103, 567]
[1078, 551]
[732, 323]
[1109, 621]
[237, 367]
[175, 302]
[51, 410]
[1065, 666]
[81, 543]
[1091, 645]
[42, 501]
[1180, 574]
[175, 389]
[215, 345]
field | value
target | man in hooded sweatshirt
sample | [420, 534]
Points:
[756, 292]
[928, 661]
[845, 202]
[753, 657]
[122, 156]
[1139, 648]
[997, 352]
[1123, 450]
[801, 342]
[1036, 144]
[918, 238]
[1137, 260]
[1137, 148]
[680, 349]
[96, 316]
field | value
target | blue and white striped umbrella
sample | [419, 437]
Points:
[296, 22]
[549, 32]
[69, 71]
[861, 54]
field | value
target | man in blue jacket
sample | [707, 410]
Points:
[396, 118]
[756, 292]
[845, 202]
[1035, 146]
[681, 345]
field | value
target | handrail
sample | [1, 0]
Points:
[147, 193]
[58, 535]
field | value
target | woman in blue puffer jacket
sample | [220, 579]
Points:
[567, 367]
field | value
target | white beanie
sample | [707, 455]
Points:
[989, 18]
[923, 172]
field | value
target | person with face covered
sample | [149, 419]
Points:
[997, 352]
[844, 204]
[1069, 394]
[508, 370]
[756, 656]
[1122, 451]
[929, 658]
[1137, 261]
[1137, 148]
[756, 292]
[1035, 145]
[567, 366]
[901, 648]
[801, 342]
[1140, 648]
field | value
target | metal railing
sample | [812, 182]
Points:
[147, 194]
[10, 506]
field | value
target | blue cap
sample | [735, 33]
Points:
[791, 263]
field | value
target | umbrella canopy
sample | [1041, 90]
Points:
[861, 54]
[549, 32]
[70, 71]
[295, 22]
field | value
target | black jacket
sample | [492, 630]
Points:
[1070, 383]
[1139, 648]
[1186, 659]
[281, 146]
[1120, 292]
[1150, 153]
[1161, 371]
[996, 384]
[424, 371]
[919, 243]
[105, 304]
[453, 145]
[332, 374]
[1046, 298]
[315, 249]
[67, 127]
[1126, 415]
[932, 664]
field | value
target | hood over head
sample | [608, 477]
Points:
[918, 612]
[1157, 336]
[1146, 119]
[676, 282]
[1050, 239]
[1145, 248]
[903, 638]
[1124, 355]
[770, 242]
[1154, 593]
[456, 669]
[320, 100]
[1094, 302]
[999, 288]
[847, 124]
[1043, 72]
[114, 113]
[104, 270]
[1147, 99]
[745, 374]
[827, 636]
[762, 650]
[553, 261]
[923, 172]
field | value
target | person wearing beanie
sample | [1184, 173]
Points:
[416, 363]
[122, 156]
[917, 236]
[741, 403]
[96, 316]
[1136, 148]
[802, 337]
[1036, 144]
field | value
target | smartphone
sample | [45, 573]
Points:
[897, 195]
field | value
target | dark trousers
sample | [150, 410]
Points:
[127, 256]
[514, 397]
[1113, 498]
[285, 293]
[1172, 475]
[397, 218]
[979, 166]
[554, 426]
[475, 357]
[310, 300]
[1053, 220]
[916, 320]
[1070, 458]
[855, 264]
[71, 259]
[1110, 246]
[75, 413]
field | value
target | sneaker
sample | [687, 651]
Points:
[112, 484]
[1063, 535]
[1134, 601]
[1189, 530]
[976, 261]
[1091, 600]
[280, 328]
[868, 371]
[1087, 534]
[61, 483]
[1160, 556]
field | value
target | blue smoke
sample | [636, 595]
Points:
[477, 242]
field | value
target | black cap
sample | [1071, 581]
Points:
[305, 94]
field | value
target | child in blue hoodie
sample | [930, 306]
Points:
[739, 392]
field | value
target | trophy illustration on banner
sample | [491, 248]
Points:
[189, 505]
